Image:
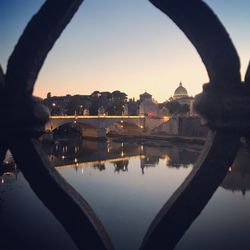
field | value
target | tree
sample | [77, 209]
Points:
[77, 104]
[175, 107]
[95, 103]
[118, 100]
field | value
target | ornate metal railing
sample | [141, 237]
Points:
[224, 104]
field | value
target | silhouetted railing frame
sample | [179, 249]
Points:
[222, 63]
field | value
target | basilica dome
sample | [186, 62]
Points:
[180, 92]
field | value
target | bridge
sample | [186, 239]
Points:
[98, 126]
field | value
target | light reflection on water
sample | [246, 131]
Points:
[126, 185]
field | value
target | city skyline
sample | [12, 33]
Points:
[125, 45]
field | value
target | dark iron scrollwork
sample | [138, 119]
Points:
[214, 46]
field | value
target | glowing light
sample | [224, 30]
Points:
[230, 169]
[102, 161]
[8, 174]
[122, 154]
[63, 157]
[166, 157]
[2, 181]
[141, 126]
[166, 118]
[97, 117]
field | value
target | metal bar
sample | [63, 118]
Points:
[217, 51]
[2, 82]
[247, 75]
[215, 47]
[191, 197]
[67, 205]
[33, 46]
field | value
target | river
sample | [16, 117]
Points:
[126, 184]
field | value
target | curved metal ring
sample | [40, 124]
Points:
[216, 49]
[222, 64]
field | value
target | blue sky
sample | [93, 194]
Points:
[127, 45]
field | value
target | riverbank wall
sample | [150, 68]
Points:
[182, 126]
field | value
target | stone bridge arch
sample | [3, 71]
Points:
[98, 126]
[124, 127]
[85, 129]
[55, 123]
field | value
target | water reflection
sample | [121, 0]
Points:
[8, 172]
[75, 153]
[238, 177]
[121, 166]
[84, 152]
[79, 153]
[117, 174]
[7, 182]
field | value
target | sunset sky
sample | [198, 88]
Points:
[122, 45]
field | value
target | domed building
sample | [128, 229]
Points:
[181, 95]
[180, 92]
